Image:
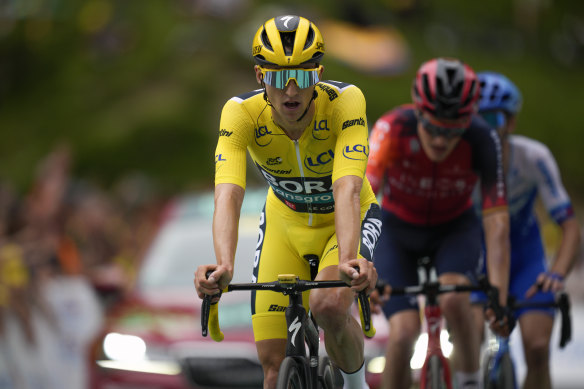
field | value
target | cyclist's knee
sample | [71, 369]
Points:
[271, 354]
[536, 353]
[330, 309]
[455, 306]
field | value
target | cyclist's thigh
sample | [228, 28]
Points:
[458, 246]
[405, 325]
[527, 262]
[370, 232]
[536, 330]
[283, 242]
[396, 259]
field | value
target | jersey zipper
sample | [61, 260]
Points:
[299, 160]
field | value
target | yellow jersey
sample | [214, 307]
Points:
[300, 172]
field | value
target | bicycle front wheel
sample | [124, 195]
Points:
[325, 373]
[290, 375]
[435, 374]
[503, 375]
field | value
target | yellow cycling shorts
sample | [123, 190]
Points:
[284, 241]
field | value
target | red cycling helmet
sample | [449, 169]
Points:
[446, 88]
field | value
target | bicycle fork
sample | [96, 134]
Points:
[433, 317]
[300, 329]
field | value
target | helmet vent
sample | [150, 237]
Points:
[470, 95]
[309, 38]
[288, 41]
[494, 92]
[453, 86]
[266, 40]
[426, 83]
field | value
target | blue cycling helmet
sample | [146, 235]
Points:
[498, 93]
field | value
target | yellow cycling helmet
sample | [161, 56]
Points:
[287, 41]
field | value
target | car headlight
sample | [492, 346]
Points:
[119, 347]
[128, 352]
[420, 349]
[377, 364]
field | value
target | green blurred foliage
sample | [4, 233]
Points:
[138, 85]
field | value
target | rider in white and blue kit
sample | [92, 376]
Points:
[530, 171]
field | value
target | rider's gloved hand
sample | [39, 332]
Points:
[379, 296]
[501, 318]
[546, 282]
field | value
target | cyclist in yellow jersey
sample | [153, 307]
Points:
[309, 140]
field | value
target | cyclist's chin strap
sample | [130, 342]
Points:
[314, 96]
[266, 95]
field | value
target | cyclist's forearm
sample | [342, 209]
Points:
[346, 191]
[569, 247]
[228, 200]
[496, 227]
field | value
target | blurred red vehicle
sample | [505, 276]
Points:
[153, 336]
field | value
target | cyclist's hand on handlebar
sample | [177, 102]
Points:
[502, 325]
[546, 282]
[359, 273]
[379, 296]
[217, 280]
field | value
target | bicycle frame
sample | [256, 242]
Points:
[500, 347]
[433, 316]
[431, 288]
[299, 324]
[498, 350]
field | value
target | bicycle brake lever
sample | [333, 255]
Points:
[566, 326]
[206, 309]
[365, 315]
[493, 302]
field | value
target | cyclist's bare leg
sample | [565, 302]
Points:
[478, 312]
[458, 312]
[271, 353]
[343, 336]
[536, 330]
[404, 331]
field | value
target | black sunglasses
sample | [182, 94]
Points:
[434, 130]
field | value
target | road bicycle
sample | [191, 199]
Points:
[435, 372]
[498, 365]
[298, 370]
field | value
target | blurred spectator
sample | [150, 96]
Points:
[93, 225]
[141, 206]
[23, 325]
[49, 313]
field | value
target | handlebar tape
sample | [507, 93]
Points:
[214, 330]
[210, 317]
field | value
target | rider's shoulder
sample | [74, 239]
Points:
[479, 132]
[530, 147]
[250, 103]
[334, 90]
[247, 97]
[404, 114]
